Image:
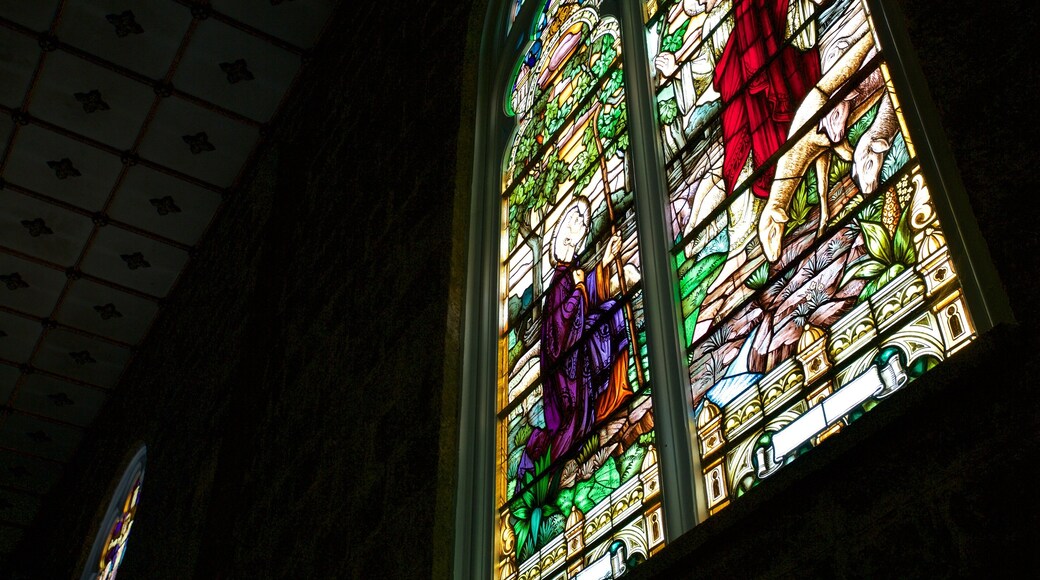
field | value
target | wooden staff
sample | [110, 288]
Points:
[617, 259]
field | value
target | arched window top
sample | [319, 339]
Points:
[110, 544]
[717, 225]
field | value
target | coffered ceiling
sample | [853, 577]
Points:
[124, 124]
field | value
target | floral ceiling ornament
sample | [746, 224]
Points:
[165, 205]
[60, 399]
[125, 23]
[129, 159]
[13, 281]
[92, 101]
[82, 357]
[236, 71]
[135, 261]
[198, 143]
[37, 227]
[108, 311]
[48, 42]
[162, 89]
[64, 169]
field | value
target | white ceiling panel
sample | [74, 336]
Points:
[17, 507]
[142, 202]
[39, 437]
[29, 287]
[18, 335]
[79, 357]
[34, 14]
[236, 70]
[134, 261]
[86, 24]
[91, 100]
[107, 312]
[198, 141]
[27, 473]
[60, 400]
[62, 168]
[42, 229]
[298, 22]
[18, 57]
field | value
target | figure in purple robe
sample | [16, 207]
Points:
[584, 342]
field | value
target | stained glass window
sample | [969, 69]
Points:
[111, 542]
[577, 477]
[814, 275]
[773, 188]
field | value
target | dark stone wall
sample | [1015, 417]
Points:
[297, 396]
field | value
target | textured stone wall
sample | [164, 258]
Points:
[295, 393]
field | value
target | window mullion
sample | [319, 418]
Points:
[682, 499]
[475, 490]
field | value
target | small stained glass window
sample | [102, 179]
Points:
[111, 542]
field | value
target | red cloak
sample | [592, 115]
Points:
[762, 81]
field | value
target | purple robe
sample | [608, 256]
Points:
[583, 358]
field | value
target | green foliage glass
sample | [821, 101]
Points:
[887, 256]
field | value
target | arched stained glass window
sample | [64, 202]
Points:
[111, 541]
[705, 239]
[576, 438]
